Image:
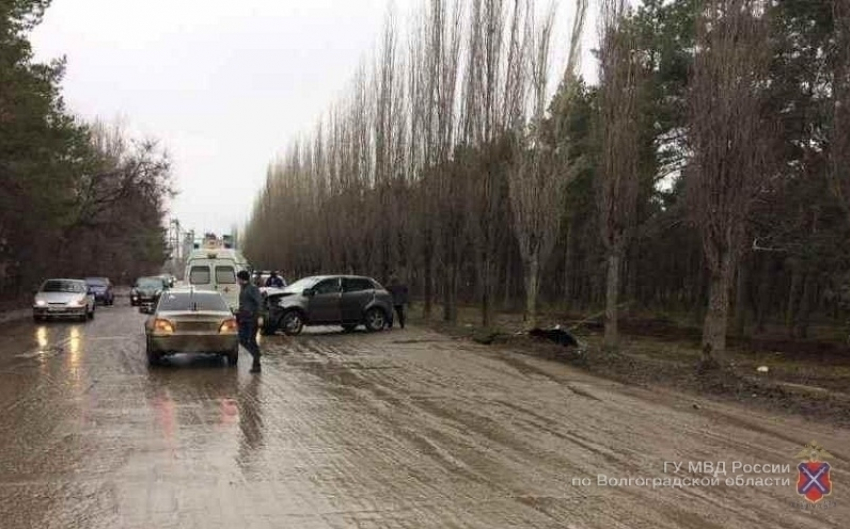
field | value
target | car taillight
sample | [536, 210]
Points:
[229, 327]
[162, 327]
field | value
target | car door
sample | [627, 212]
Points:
[324, 303]
[356, 293]
[225, 283]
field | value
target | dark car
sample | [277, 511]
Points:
[346, 300]
[186, 320]
[146, 290]
[101, 287]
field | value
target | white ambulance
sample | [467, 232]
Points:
[216, 269]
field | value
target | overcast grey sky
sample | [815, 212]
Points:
[224, 85]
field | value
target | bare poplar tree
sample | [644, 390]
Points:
[730, 137]
[541, 170]
[617, 127]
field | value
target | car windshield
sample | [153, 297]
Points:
[96, 281]
[303, 283]
[203, 301]
[149, 282]
[56, 285]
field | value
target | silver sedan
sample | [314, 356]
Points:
[63, 298]
[186, 320]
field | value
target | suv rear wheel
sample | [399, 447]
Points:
[375, 319]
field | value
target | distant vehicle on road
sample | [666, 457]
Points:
[343, 300]
[215, 270]
[63, 298]
[189, 320]
[102, 289]
[146, 290]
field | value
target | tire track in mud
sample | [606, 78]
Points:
[464, 426]
[457, 435]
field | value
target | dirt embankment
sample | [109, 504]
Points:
[810, 378]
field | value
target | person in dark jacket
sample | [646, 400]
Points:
[275, 281]
[400, 295]
[250, 303]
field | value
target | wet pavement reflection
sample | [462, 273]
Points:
[396, 429]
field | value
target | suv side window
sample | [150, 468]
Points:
[356, 284]
[328, 286]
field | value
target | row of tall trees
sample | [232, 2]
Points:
[76, 198]
[705, 173]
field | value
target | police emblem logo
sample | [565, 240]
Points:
[813, 481]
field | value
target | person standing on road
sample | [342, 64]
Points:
[400, 295]
[250, 302]
[275, 281]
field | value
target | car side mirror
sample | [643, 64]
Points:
[309, 292]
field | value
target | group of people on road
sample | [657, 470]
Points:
[251, 302]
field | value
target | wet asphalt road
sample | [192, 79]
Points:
[396, 429]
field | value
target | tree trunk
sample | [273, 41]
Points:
[741, 299]
[717, 316]
[428, 288]
[568, 257]
[632, 294]
[450, 294]
[793, 296]
[611, 294]
[487, 293]
[801, 324]
[506, 304]
[532, 275]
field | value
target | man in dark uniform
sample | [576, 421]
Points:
[275, 281]
[250, 302]
[399, 292]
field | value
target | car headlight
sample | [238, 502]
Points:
[40, 303]
[77, 303]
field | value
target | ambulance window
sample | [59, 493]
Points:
[225, 275]
[199, 275]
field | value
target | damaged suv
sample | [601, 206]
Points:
[343, 300]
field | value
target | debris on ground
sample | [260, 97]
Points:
[557, 335]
